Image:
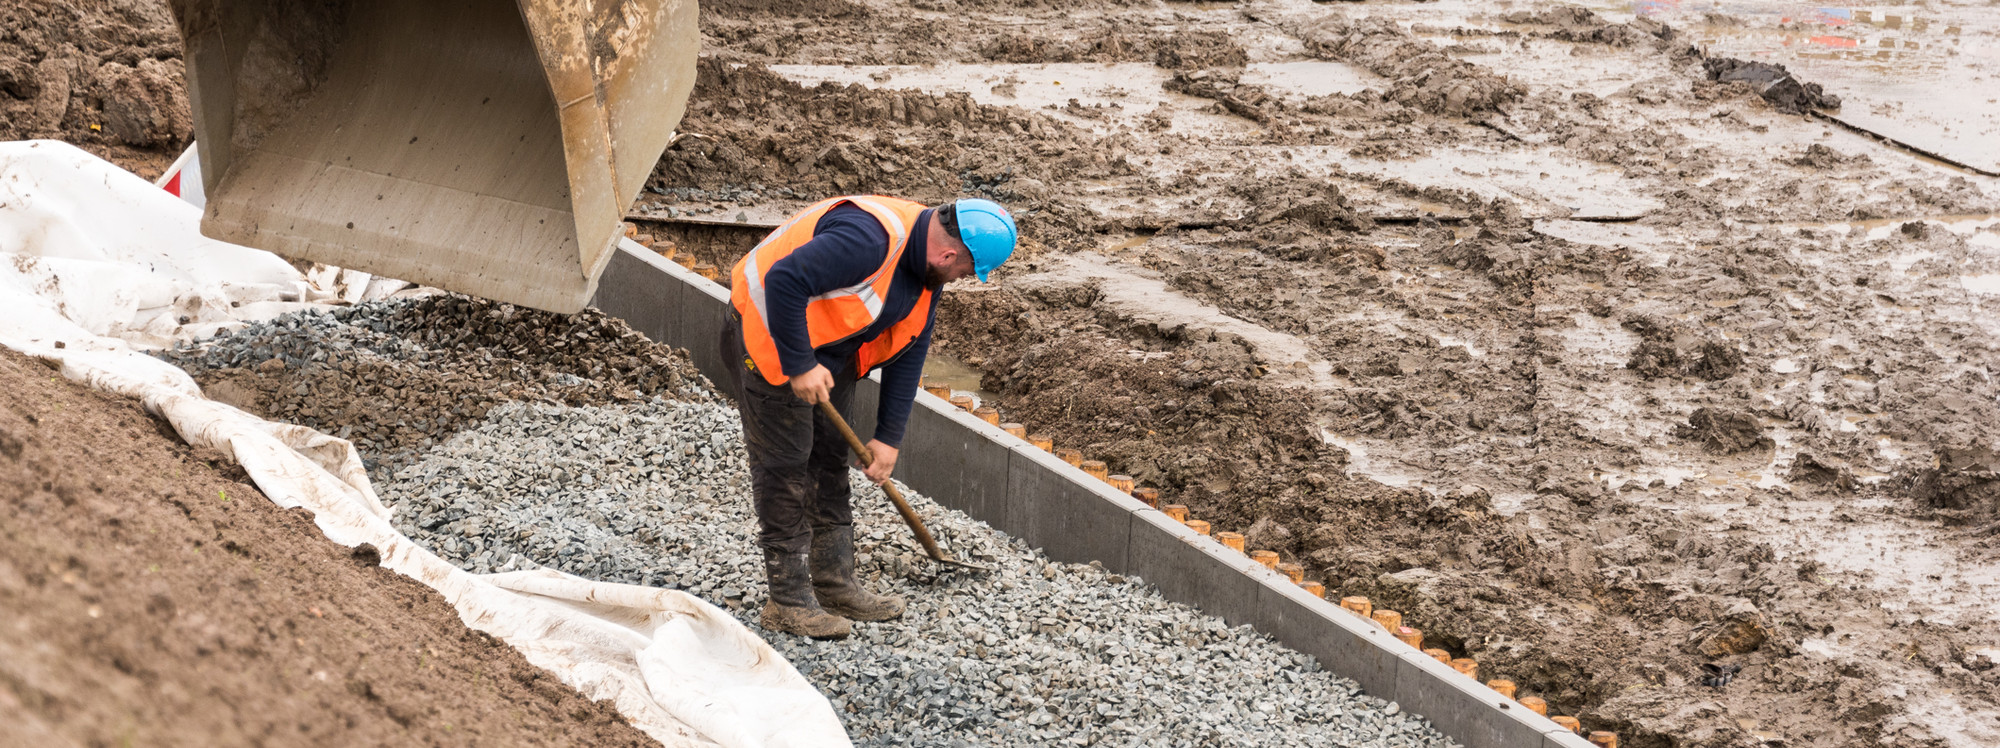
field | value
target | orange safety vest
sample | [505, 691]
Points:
[838, 314]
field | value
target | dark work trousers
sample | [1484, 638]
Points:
[798, 459]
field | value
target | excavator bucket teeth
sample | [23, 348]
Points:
[488, 147]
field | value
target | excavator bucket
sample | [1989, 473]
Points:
[488, 147]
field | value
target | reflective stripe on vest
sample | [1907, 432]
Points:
[838, 314]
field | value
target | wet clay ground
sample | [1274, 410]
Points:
[1584, 340]
[150, 596]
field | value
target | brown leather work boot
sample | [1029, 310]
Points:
[834, 583]
[792, 608]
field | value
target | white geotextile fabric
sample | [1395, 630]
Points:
[99, 265]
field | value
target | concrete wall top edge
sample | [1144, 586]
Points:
[1160, 522]
[1222, 554]
[1472, 702]
[675, 271]
[1342, 617]
[1226, 555]
[1054, 464]
[715, 290]
[1562, 738]
[1478, 690]
[640, 252]
[962, 418]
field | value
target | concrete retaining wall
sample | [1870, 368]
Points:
[970, 465]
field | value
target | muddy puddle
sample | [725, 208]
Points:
[963, 379]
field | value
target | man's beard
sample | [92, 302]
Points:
[934, 276]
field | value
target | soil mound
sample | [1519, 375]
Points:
[105, 75]
[1573, 24]
[1665, 350]
[1966, 483]
[1725, 432]
[1810, 469]
[1034, 48]
[1422, 75]
[1250, 102]
[1190, 50]
[1818, 156]
[151, 597]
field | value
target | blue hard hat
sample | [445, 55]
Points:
[987, 231]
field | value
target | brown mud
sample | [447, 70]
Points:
[1597, 365]
[104, 75]
[150, 596]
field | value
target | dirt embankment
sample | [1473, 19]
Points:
[148, 596]
[105, 75]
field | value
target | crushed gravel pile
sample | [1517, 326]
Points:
[399, 375]
[1038, 653]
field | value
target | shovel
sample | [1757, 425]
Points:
[909, 515]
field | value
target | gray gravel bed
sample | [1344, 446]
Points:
[1038, 653]
[395, 377]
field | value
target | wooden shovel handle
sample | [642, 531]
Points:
[889, 487]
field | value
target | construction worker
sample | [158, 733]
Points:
[846, 287]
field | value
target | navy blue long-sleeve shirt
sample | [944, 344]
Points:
[848, 245]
